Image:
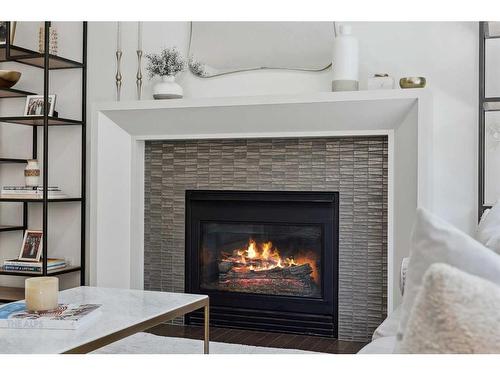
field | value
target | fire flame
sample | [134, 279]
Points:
[264, 256]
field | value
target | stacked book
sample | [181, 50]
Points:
[16, 315]
[30, 266]
[28, 192]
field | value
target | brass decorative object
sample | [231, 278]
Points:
[412, 82]
[9, 78]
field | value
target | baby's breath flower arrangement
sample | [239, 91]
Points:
[168, 62]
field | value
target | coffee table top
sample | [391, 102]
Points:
[123, 313]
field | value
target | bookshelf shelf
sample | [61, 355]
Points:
[39, 121]
[11, 294]
[59, 271]
[36, 59]
[13, 161]
[14, 93]
[40, 200]
[10, 228]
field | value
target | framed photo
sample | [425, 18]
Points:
[3, 32]
[34, 105]
[32, 246]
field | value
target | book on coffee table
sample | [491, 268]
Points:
[15, 315]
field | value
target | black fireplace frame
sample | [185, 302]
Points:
[308, 315]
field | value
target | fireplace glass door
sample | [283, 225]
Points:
[268, 260]
[260, 258]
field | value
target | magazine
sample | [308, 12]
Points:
[15, 315]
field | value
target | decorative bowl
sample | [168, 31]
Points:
[412, 82]
[8, 78]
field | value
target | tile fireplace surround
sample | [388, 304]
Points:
[355, 167]
[399, 121]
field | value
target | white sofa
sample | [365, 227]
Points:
[452, 289]
[384, 337]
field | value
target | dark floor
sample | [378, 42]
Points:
[267, 339]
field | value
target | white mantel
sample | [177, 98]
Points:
[119, 130]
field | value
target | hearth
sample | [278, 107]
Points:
[267, 259]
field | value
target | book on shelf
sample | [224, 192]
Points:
[18, 191]
[29, 266]
[71, 316]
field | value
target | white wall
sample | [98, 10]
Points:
[446, 53]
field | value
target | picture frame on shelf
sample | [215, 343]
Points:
[31, 248]
[3, 31]
[34, 105]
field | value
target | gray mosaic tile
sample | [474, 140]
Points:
[356, 167]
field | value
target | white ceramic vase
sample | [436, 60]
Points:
[345, 65]
[32, 173]
[167, 88]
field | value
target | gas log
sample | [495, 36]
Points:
[302, 272]
[282, 281]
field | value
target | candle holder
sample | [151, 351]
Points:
[118, 76]
[139, 74]
[41, 293]
[119, 53]
[138, 81]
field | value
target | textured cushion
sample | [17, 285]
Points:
[389, 326]
[488, 231]
[455, 312]
[435, 241]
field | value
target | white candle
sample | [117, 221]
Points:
[118, 36]
[41, 293]
[139, 36]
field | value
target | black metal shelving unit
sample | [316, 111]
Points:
[486, 104]
[47, 62]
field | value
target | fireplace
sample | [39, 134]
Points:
[268, 260]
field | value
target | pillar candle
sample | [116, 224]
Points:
[41, 293]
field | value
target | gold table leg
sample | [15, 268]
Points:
[207, 328]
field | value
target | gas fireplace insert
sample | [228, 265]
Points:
[267, 259]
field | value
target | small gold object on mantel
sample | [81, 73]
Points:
[8, 78]
[41, 293]
[412, 82]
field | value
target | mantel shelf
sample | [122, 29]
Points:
[349, 112]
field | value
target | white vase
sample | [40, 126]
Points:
[32, 173]
[167, 88]
[345, 63]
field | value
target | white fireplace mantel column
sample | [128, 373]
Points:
[119, 130]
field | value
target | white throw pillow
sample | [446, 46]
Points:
[435, 241]
[488, 230]
[454, 312]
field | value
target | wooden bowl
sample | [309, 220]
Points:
[8, 78]
[412, 82]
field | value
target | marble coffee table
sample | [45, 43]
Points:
[124, 312]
